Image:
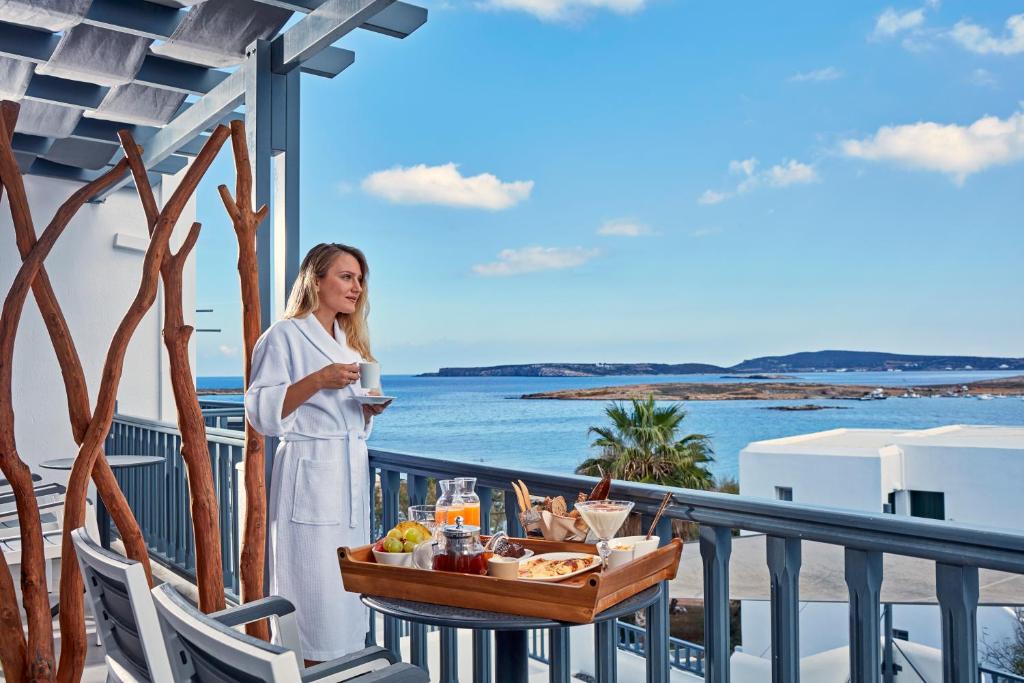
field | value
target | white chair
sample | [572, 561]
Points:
[204, 648]
[126, 620]
[50, 498]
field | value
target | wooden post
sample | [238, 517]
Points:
[79, 410]
[194, 449]
[246, 223]
[72, 656]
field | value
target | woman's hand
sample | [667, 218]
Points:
[338, 375]
[370, 411]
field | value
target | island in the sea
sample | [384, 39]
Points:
[786, 391]
[768, 367]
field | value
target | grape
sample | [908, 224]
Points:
[408, 546]
[392, 545]
[413, 535]
[396, 534]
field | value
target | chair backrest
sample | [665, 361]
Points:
[123, 606]
[202, 650]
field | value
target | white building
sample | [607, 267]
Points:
[962, 473]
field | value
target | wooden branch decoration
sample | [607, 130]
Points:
[38, 656]
[246, 222]
[73, 646]
[194, 448]
[75, 386]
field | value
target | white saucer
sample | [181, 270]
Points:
[374, 400]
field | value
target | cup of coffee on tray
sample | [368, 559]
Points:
[369, 376]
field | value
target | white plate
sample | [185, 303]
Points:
[594, 562]
[374, 400]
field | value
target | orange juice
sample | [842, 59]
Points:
[457, 510]
[439, 516]
[471, 514]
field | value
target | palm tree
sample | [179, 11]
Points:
[643, 445]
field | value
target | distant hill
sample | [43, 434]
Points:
[807, 361]
[818, 361]
[578, 370]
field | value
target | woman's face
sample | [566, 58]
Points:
[342, 285]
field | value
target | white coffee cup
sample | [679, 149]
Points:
[369, 375]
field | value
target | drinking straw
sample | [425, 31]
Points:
[661, 510]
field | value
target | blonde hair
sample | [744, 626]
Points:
[304, 298]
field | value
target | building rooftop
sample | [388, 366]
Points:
[879, 442]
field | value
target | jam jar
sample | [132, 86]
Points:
[461, 550]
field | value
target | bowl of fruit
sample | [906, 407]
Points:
[396, 548]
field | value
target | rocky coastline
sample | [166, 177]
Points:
[785, 391]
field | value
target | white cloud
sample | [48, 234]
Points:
[533, 259]
[712, 197]
[979, 39]
[228, 351]
[892, 22]
[745, 167]
[623, 227]
[564, 10]
[705, 232]
[947, 148]
[829, 73]
[444, 185]
[789, 172]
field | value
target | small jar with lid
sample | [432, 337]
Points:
[461, 550]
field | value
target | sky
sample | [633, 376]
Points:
[664, 181]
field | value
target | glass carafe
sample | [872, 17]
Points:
[466, 491]
[449, 505]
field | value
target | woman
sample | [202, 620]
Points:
[302, 389]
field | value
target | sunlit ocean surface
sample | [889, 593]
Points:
[482, 419]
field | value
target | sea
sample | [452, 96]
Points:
[483, 419]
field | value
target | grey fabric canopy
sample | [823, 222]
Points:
[905, 580]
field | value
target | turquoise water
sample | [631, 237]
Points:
[482, 419]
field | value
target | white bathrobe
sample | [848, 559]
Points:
[319, 490]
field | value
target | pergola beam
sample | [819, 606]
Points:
[318, 29]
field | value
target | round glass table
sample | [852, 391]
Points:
[510, 630]
[115, 462]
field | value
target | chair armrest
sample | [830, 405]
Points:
[274, 606]
[356, 664]
[10, 514]
[396, 673]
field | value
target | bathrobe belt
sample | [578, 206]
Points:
[356, 447]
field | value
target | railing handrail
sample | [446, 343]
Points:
[230, 437]
[998, 675]
[935, 540]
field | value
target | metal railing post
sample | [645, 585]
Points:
[605, 652]
[864, 581]
[449, 655]
[390, 481]
[715, 548]
[481, 656]
[957, 590]
[657, 638]
[784, 570]
[559, 655]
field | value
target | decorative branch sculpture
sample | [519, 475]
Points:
[194, 449]
[246, 223]
[75, 386]
[37, 662]
[72, 656]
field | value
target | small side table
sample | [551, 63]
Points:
[510, 637]
[115, 462]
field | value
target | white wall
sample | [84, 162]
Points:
[993, 496]
[835, 481]
[95, 284]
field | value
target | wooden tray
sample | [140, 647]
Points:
[577, 599]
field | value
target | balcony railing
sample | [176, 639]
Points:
[958, 551]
